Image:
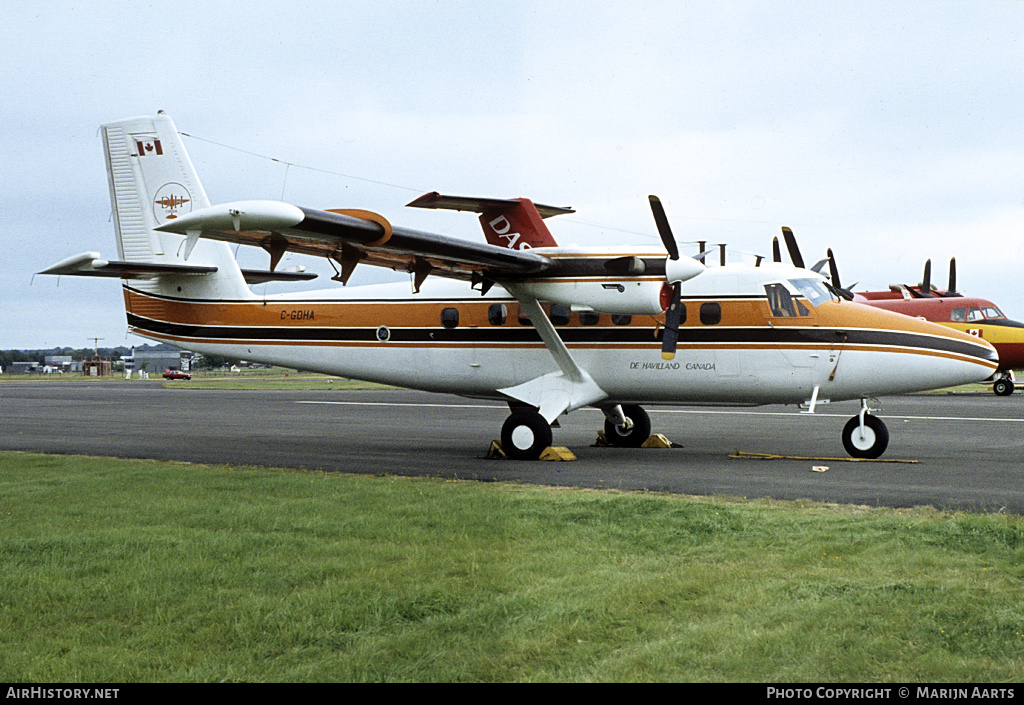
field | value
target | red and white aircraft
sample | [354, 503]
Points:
[548, 329]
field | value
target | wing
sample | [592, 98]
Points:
[352, 237]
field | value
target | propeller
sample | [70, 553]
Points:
[925, 289]
[677, 270]
[798, 261]
[834, 284]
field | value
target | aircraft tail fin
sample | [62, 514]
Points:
[516, 224]
[152, 181]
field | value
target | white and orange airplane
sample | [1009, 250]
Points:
[547, 329]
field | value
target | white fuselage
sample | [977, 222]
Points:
[733, 347]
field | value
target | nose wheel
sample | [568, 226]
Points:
[635, 430]
[1003, 387]
[865, 436]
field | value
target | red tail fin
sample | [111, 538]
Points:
[517, 223]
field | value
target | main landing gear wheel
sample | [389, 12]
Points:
[1003, 387]
[867, 442]
[525, 435]
[635, 435]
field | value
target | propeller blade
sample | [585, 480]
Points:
[776, 252]
[794, 251]
[951, 290]
[926, 283]
[670, 333]
[834, 278]
[661, 220]
[833, 270]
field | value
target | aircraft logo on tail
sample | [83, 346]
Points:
[171, 201]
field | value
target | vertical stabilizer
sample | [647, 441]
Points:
[516, 223]
[518, 226]
[152, 181]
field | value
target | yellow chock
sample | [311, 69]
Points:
[602, 441]
[658, 441]
[557, 453]
[495, 452]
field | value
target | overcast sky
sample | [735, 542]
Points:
[890, 131]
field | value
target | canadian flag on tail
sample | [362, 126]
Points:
[148, 147]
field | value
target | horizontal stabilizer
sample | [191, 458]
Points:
[89, 264]
[479, 205]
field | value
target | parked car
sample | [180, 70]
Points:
[176, 374]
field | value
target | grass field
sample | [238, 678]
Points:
[136, 571]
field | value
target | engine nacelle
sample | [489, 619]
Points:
[637, 297]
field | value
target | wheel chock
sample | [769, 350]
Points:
[659, 441]
[557, 453]
[495, 452]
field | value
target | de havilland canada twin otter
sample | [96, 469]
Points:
[546, 328]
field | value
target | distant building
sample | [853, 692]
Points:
[159, 360]
[57, 363]
[24, 368]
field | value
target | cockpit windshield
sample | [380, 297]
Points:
[812, 289]
[974, 313]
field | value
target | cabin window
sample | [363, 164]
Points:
[523, 319]
[974, 314]
[559, 314]
[450, 317]
[497, 314]
[590, 318]
[711, 314]
[992, 312]
[958, 314]
[682, 313]
[621, 319]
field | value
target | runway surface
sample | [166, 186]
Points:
[967, 450]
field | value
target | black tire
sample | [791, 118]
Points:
[525, 435]
[635, 436]
[1003, 387]
[872, 443]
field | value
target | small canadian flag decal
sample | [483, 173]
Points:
[148, 147]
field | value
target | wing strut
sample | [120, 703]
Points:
[552, 394]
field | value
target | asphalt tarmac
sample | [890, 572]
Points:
[962, 451]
